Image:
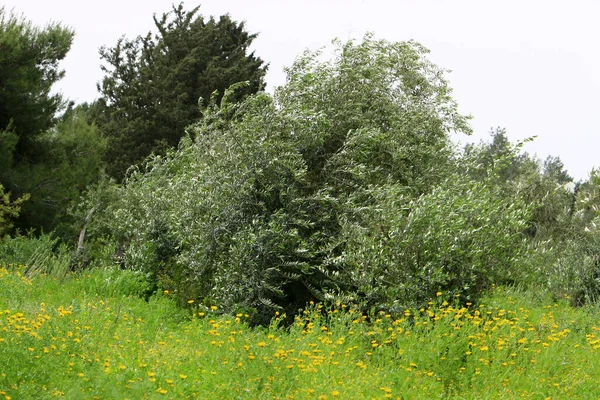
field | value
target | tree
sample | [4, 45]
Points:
[154, 84]
[519, 175]
[256, 208]
[69, 160]
[29, 66]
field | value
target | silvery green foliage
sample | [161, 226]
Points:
[459, 238]
[573, 266]
[564, 257]
[290, 197]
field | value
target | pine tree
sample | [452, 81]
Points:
[29, 58]
[155, 83]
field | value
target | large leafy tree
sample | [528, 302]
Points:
[155, 84]
[260, 208]
[29, 66]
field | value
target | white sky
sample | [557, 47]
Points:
[530, 66]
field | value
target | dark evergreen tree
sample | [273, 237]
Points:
[68, 160]
[39, 160]
[154, 84]
[29, 58]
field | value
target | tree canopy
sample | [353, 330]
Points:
[29, 66]
[30, 148]
[261, 205]
[156, 84]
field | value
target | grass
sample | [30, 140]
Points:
[90, 336]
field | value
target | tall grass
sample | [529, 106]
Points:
[40, 254]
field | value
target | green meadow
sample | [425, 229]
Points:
[89, 335]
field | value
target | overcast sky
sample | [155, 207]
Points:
[530, 66]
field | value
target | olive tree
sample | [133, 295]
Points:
[254, 209]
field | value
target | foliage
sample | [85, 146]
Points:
[562, 226]
[575, 256]
[248, 213]
[8, 144]
[543, 186]
[50, 159]
[154, 84]
[8, 210]
[460, 238]
[69, 160]
[507, 347]
[564, 255]
[29, 57]
[41, 254]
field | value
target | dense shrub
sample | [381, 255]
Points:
[460, 238]
[9, 210]
[570, 259]
[341, 185]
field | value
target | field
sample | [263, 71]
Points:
[88, 335]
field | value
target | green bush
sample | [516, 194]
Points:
[569, 261]
[460, 239]
[115, 282]
[9, 210]
[574, 270]
[341, 185]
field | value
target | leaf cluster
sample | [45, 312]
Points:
[69, 160]
[9, 209]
